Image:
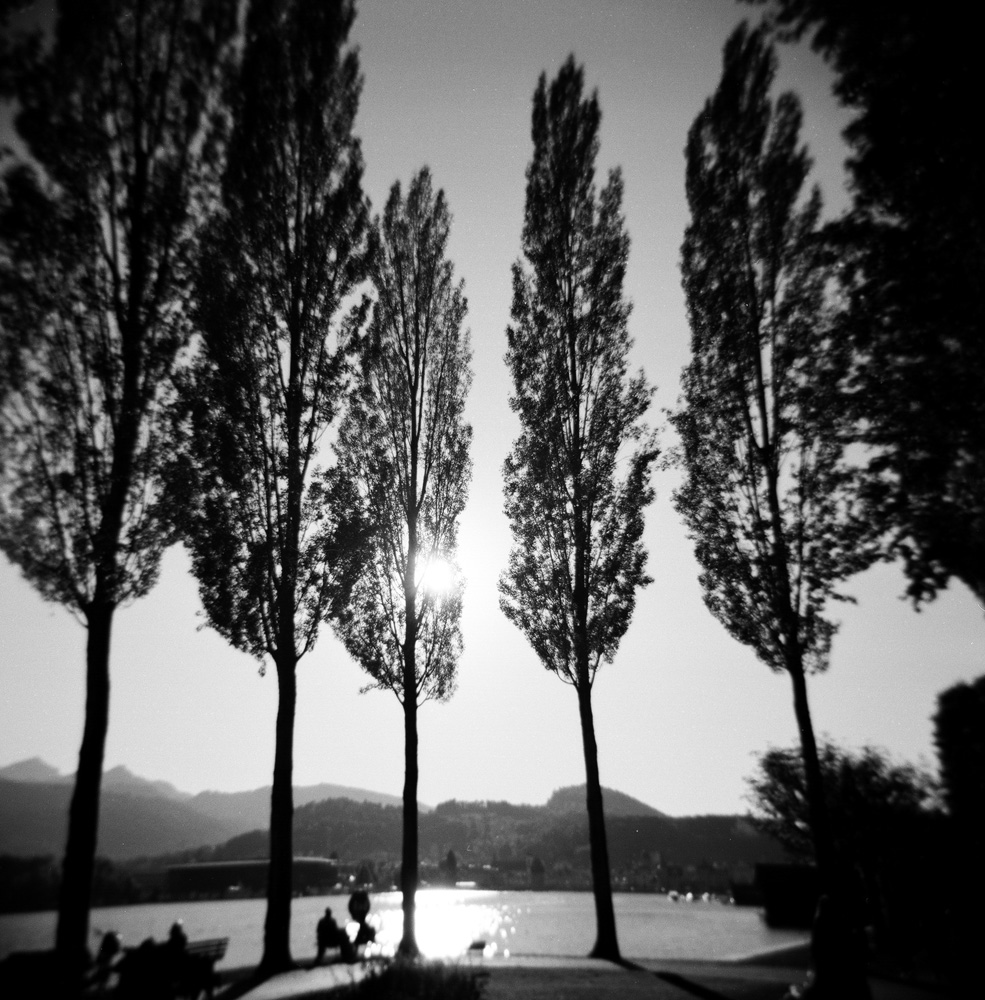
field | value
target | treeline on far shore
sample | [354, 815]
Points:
[496, 845]
[28, 884]
[31, 884]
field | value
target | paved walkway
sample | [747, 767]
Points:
[305, 982]
[551, 978]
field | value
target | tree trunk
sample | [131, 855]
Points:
[816, 803]
[277, 927]
[72, 932]
[606, 944]
[839, 965]
[408, 865]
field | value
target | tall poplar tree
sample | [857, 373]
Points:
[577, 559]
[97, 238]
[768, 498]
[404, 445]
[278, 297]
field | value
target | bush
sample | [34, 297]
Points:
[404, 980]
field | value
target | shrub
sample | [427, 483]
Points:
[403, 980]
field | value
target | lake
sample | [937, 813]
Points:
[448, 921]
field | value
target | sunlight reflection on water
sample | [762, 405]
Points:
[449, 921]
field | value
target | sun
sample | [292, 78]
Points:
[438, 577]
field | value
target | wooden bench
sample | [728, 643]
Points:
[200, 965]
[159, 970]
[214, 949]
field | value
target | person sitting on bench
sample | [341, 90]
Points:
[330, 935]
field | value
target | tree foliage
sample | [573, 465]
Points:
[868, 798]
[98, 231]
[769, 495]
[885, 826]
[913, 245]
[404, 448]
[404, 444]
[577, 478]
[272, 534]
[577, 559]
[959, 734]
[283, 261]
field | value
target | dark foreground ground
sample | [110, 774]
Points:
[761, 977]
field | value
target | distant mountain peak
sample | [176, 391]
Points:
[33, 769]
[572, 799]
[117, 779]
[122, 779]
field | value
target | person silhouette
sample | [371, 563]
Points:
[177, 938]
[106, 959]
[328, 934]
[359, 910]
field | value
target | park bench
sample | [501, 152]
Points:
[158, 971]
[213, 949]
[205, 954]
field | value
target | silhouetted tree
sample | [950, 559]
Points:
[768, 497]
[868, 796]
[97, 233]
[913, 245]
[268, 530]
[885, 825]
[959, 734]
[404, 443]
[577, 559]
[449, 867]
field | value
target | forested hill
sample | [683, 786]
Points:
[500, 833]
[572, 799]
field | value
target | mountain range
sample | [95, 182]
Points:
[143, 818]
[139, 817]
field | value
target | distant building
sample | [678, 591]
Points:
[221, 878]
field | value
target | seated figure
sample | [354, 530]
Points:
[330, 935]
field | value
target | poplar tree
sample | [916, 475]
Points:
[769, 498]
[271, 533]
[97, 236]
[404, 446]
[577, 478]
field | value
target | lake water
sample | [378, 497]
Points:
[448, 921]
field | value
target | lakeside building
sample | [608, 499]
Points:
[211, 879]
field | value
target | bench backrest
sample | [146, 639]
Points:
[213, 948]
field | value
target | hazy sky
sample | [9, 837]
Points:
[684, 708]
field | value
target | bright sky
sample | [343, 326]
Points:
[684, 708]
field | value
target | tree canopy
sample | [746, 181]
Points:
[912, 249]
[769, 495]
[577, 517]
[404, 445]
[869, 796]
[99, 231]
[959, 735]
[885, 824]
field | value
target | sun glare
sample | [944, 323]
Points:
[438, 577]
[450, 924]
